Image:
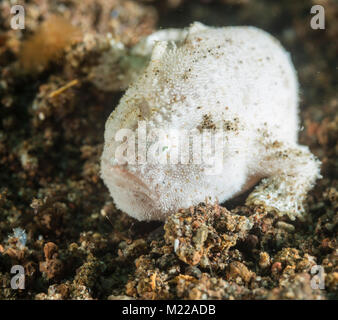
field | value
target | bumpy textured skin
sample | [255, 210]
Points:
[238, 79]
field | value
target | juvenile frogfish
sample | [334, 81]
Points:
[235, 91]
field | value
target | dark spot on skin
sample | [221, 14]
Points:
[206, 123]
[229, 125]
